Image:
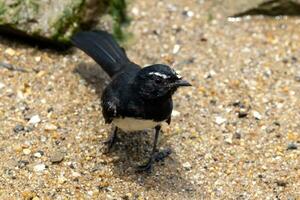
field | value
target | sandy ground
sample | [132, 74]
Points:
[234, 135]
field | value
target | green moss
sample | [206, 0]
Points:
[68, 23]
[2, 8]
[117, 9]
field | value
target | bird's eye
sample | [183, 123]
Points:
[158, 80]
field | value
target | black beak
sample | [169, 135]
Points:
[180, 83]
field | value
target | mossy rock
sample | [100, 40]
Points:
[48, 20]
[274, 8]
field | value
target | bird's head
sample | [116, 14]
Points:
[158, 81]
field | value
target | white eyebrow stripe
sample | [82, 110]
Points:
[159, 74]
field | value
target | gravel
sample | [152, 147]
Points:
[233, 65]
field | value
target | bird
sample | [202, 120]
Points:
[137, 98]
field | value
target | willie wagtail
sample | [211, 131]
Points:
[136, 98]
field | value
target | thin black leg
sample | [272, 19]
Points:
[148, 165]
[111, 140]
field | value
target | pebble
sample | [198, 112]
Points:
[37, 58]
[175, 113]
[34, 119]
[220, 120]
[26, 151]
[18, 128]
[176, 49]
[135, 11]
[57, 157]
[50, 127]
[38, 154]
[292, 146]
[187, 165]
[1, 85]
[76, 174]
[242, 113]
[10, 52]
[39, 167]
[257, 115]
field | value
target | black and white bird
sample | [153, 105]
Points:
[136, 98]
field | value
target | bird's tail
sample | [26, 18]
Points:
[103, 49]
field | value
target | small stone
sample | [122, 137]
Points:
[57, 157]
[26, 151]
[1, 85]
[257, 115]
[190, 13]
[175, 113]
[10, 52]
[176, 49]
[38, 154]
[297, 78]
[18, 128]
[35, 198]
[34, 119]
[237, 135]
[228, 140]
[37, 58]
[220, 120]
[135, 11]
[28, 195]
[22, 163]
[76, 174]
[187, 165]
[39, 167]
[242, 113]
[292, 146]
[50, 127]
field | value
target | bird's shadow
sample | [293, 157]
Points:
[133, 149]
[94, 76]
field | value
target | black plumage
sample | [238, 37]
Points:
[136, 98]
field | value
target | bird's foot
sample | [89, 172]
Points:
[110, 141]
[156, 157]
[146, 167]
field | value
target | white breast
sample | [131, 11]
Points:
[132, 124]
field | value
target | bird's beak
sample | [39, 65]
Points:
[180, 83]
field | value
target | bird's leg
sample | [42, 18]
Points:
[148, 165]
[111, 140]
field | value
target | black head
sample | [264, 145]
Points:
[158, 81]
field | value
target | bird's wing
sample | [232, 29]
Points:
[110, 105]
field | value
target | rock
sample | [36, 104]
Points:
[175, 113]
[242, 113]
[220, 120]
[256, 115]
[187, 165]
[18, 128]
[26, 151]
[38, 154]
[273, 8]
[50, 127]
[57, 157]
[176, 49]
[292, 146]
[34, 119]
[47, 20]
[10, 52]
[2, 85]
[39, 167]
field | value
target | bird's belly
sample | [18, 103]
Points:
[133, 124]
